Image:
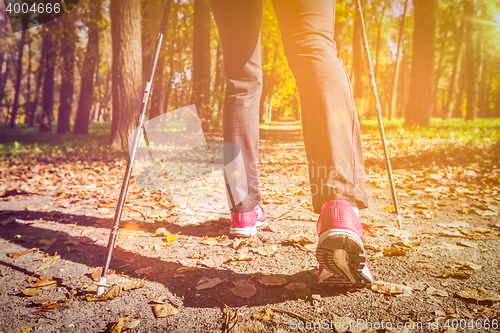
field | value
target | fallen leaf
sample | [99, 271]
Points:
[48, 242]
[263, 315]
[132, 284]
[48, 263]
[209, 241]
[212, 262]
[161, 232]
[6, 221]
[32, 292]
[271, 280]
[390, 208]
[49, 306]
[19, 254]
[431, 291]
[164, 310]
[186, 269]
[396, 232]
[394, 251]
[479, 294]
[467, 243]
[469, 265]
[97, 272]
[43, 283]
[115, 291]
[131, 324]
[275, 228]
[207, 283]
[26, 330]
[170, 238]
[301, 239]
[266, 250]
[243, 289]
[390, 288]
[407, 244]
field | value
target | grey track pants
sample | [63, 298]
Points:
[329, 121]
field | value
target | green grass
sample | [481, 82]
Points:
[25, 142]
[479, 131]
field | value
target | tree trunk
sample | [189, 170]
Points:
[439, 70]
[394, 89]
[157, 99]
[39, 80]
[49, 49]
[219, 87]
[68, 41]
[422, 67]
[379, 33]
[201, 61]
[358, 66]
[267, 90]
[90, 63]
[29, 101]
[470, 61]
[457, 108]
[19, 76]
[450, 98]
[127, 69]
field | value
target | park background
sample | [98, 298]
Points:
[431, 59]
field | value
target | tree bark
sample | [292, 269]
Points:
[19, 76]
[68, 41]
[219, 87]
[437, 76]
[450, 98]
[127, 69]
[158, 89]
[457, 108]
[39, 80]
[470, 61]
[29, 101]
[90, 63]
[422, 67]
[49, 49]
[268, 82]
[394, 90]
[201, 61]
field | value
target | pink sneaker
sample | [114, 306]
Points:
[340, 250]
[244, 224]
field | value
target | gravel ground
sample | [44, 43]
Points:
[207, 282]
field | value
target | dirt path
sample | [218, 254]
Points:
[449, 245]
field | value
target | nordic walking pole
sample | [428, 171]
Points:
[399, 219]
[126, 178]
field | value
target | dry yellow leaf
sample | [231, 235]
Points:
[48, 263]
[19, 254]
[170, 238]
[186, 269]
[31, 292]
[164, 310]
[48, 242]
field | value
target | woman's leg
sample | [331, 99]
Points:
[239, 29]
[329, 121]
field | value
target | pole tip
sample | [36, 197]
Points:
[399, 221]
[101, 285]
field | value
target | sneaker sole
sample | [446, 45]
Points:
[246, 232]
[341, 253]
